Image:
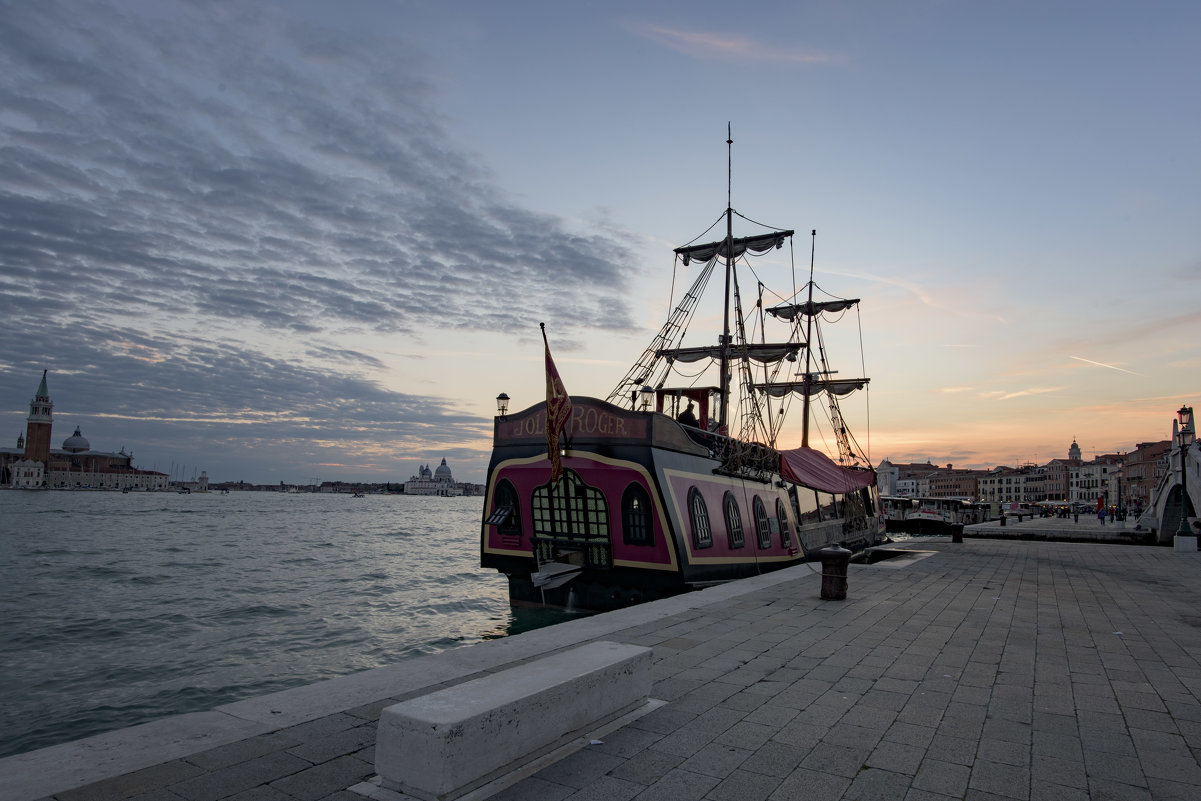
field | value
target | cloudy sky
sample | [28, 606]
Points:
[296, 240]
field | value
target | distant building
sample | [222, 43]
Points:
[435, 482]
[1143, 470]
[33, 464]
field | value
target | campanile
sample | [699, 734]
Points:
[38, 424]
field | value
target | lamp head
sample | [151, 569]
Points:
[645, 396]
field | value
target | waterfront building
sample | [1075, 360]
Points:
[1090, 481]
[1026, 484]
[952, 483]
[33, 464]
[433, 482]
[1142, 471]
[902, 478]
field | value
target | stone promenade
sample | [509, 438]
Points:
[982, 670]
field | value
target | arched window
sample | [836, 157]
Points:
[733, 521]
[785, 531]
[570, 509]
[702, 534]
[762, 527]
[636, 528]
[506, 511]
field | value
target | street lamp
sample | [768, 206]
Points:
[502, 404]
[1185, 417]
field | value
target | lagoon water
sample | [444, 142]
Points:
[116, 609]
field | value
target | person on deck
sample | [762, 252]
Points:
[688, 417]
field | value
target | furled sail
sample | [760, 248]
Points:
[835, 386]
[814, 469]
[793, 310]
[755, 244]
[757, 352]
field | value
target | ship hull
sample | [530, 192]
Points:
[645, 509]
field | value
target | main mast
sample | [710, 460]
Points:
[729, 248]
[808, 379]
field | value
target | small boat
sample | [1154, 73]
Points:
[677, 481]
[359, 495]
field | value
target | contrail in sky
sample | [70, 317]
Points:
[1101, 364]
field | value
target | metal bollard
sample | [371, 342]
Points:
[1002, 518]
[834, 572]
[957, 532]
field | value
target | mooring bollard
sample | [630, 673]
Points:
[1002, 518]
[834, 572]
[957, 532]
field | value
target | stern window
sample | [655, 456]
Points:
[506, 514]
[636, 517]
[785, 532]
[733, 521]
[762, 527]
[570, 509]
[702, 534]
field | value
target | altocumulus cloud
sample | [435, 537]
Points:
[188, 192]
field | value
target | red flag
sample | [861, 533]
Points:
[558, 412]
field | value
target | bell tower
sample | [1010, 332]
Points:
[1074, 452]
[38, 424]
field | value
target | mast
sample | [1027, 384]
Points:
[808, 379]
[725, 333]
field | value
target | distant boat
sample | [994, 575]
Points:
[359, 495]
[655, 499]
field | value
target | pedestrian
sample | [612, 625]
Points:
[1101, 515]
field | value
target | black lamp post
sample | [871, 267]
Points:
[1185, 416]
[502, 404]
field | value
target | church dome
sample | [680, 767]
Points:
[443, 471]
[76, 443]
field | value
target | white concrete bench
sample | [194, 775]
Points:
[442, 745]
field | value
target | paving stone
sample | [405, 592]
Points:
[341, 743]
[911, 734]
[1005, 780]
[742, 785]
[242, 751]
[240, 777]
[607, 788]
[678, 785]
[533, 789]
[836, 759]
[647, 767]
[328, 777]
[1003, 751]
[942, 777]
[580, 769]
[139, 782]
[874, 784]
[810, 785]
[896, 757]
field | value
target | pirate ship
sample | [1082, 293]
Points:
[676, 480]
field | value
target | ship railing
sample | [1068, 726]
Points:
[749, 460]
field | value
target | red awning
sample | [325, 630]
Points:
[811, 468]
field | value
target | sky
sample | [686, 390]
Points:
[298, 241]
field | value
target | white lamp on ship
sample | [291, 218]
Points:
[646, 395]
